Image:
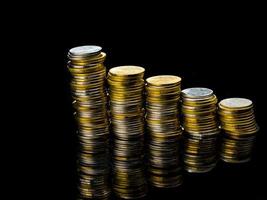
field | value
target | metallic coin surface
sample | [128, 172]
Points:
[163, 80]
[197, 92]
[164, 131]
[85, 50]
[126, 70]
[126, 92]
[238, 123]
[90, 104]
[236, 103]
[201, 129]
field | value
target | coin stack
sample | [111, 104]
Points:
[201, 129]
[239, 129]
[90, 102]
[164, 131]
[126, 88]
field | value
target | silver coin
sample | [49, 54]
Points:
[197, 92]
[236, 103]
[85, 50]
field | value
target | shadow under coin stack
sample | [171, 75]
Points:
[200, 129]
[90, 101]
[239, 129]
[164, 131]
[126, 88]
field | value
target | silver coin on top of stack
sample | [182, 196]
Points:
[90, 102]
[164, 131]
[126, 87]
[239, 129]
[201, 129]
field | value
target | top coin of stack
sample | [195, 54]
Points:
[201, 129]
[239, 125]
[90, 101]
[126, 87]
[164, 131]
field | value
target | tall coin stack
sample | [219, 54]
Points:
[164, 131]
[90, 101]
[201, 129]
[239, 129]
[126, 88]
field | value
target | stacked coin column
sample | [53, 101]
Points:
[239, 129]
[200, 129]
[88, 91]
[164, 131]
[126, 88]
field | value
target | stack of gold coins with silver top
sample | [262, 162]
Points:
[90, 101]
[164, 131]
[239, 129]
[200, 129]
[126, 91]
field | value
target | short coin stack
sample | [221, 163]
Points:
[201, 129]
[90, 101]
[239, 126]
[126, 91]
[164, 131]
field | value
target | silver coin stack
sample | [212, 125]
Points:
[201, 129]
[90, 101]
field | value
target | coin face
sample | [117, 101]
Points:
[163, 80]
[85, 50]
[236, 103]
[197, 92]
[126, 70]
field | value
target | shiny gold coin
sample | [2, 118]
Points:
[163, 80]
[122, 71]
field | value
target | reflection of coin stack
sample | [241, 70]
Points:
[126, 87]
[201, 129]
[88, 91]
[164, 131]
[239, 126]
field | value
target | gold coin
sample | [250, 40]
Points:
[163, 80]
[127, 71]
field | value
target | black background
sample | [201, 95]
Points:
[218, 49]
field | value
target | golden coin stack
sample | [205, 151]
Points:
[126, 88]
[239, 129]
[164, 131]
[90, 102]
[200, 129]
